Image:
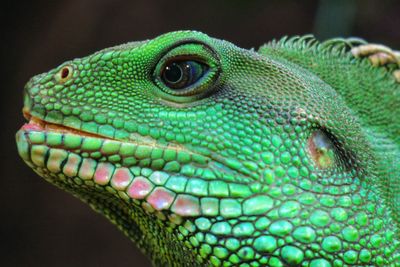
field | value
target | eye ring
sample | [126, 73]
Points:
[199, 65]
[64, 74]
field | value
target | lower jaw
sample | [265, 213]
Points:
[139, 174]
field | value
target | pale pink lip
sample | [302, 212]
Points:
[36, 124]
[32, 127]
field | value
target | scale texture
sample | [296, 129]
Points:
[206, 154]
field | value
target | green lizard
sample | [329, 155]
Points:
[204, 153]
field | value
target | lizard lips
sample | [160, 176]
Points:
[36, 124]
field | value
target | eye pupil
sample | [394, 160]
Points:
[64, 73]
[173, 73]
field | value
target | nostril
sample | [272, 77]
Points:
[65, 73]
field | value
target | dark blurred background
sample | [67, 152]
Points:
[43, 226]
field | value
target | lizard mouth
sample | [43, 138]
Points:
[135, 150]
[37, 124]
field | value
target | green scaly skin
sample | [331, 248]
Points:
[288, 156]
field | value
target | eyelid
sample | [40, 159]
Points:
[187, 57]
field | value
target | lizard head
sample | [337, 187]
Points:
[205, 153]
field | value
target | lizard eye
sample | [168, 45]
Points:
[186, 72]
[178, 75]
[64, 74]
